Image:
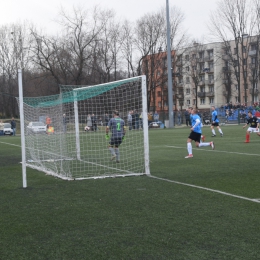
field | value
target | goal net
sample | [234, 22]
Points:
[65, 134]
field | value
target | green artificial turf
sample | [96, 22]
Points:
[139, 217]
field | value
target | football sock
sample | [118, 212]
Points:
[189, 148]
[213, 132]
[112, 150]
[220, 131]
[117, 154]
[204, 144]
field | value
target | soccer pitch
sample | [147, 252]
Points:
[206, 207]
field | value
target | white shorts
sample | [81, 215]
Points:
[253, 130]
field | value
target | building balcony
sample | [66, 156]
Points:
[201, 94]
[252, 53]
[225, 57]
[225, 81]
[180, 96]
[210, 94]
[201, 83]
[225, 69]
[211, 82]
[255, 91]
[180, 84]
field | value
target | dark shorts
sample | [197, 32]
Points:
[116, 141]
[215, 124]
[195, 136]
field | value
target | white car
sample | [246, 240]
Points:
[7, 129]
[36, 128]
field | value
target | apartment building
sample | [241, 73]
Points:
[205, 75]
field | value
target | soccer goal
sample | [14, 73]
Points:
[65, 134]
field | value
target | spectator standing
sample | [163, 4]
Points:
[94, 122]
[179, 114]
[89, 121]
[150, 118]
[133, 120]
[129, 120]
[106, 119]
[136, 120]
[13, 126]
[187, 117]
[156, 116]
[1, 128]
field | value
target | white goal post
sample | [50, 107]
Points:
[64, 134]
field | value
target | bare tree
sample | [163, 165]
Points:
[232, 23]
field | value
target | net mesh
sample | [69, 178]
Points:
[71, 142]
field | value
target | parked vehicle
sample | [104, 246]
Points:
[7, 129]
[36, 128]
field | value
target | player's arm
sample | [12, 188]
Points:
[245, 124]
[196, 124]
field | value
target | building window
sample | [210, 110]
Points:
[210, 53]
[165, 103]
[253, 47]
[194, 56]
[236, 87]
[187, 68]
[188, 102]
[188, 80]
[202, 101]
[201, 54]
[187, 57]
[244, 49]
[253, 60]
[211, 89]
[194, 102]
[202, 89]
[159, 104]
[187, 91]
[211, 101]
[236, 98]
[244, 61]
[159, 93]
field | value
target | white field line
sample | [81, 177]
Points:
[194, 186]
[207, 189]
[210, 150]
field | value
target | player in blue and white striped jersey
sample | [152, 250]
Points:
[195, 134]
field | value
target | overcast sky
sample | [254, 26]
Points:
[43, 12]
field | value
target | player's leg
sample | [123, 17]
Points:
[189, 148]
[111, 148]
[220, 131]
[213, 131]
[248, 135]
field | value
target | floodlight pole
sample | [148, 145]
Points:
[20, 84]
[169, 62]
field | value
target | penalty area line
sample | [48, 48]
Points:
[207, 189]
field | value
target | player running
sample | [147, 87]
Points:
[195, 134]
[215, 122]
[117, 127]
[254, 126]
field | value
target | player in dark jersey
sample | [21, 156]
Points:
[117, 127]
[254, 126]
